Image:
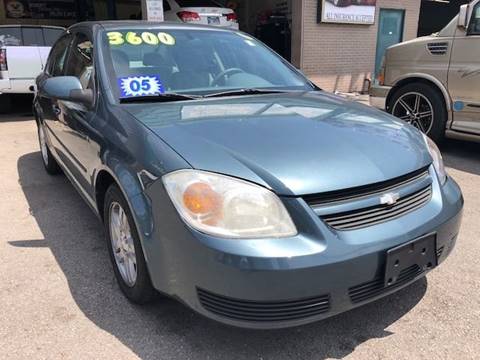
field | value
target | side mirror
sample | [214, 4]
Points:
[463, 17]
[66, 88]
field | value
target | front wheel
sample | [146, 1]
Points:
[421, 106]
[125, 249]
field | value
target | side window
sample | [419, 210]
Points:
[51, 35]
[80, 60]
[474, 28]
[32, 36]
[166, 6]
[58, 54]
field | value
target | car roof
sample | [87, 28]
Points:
[32, 26]
[128, 24]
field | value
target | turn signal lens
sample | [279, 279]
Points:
[227, 207]
[201, 199]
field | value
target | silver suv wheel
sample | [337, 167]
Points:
[416, 109]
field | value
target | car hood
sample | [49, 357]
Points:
[295, 144]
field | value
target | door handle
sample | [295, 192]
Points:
[56, 110]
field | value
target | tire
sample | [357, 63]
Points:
[435, 125]
[49, 162]
[140, 291]
[5, 104]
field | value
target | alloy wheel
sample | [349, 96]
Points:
[122, 244]
[415, 109]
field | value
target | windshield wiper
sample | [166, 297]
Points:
[246, 91]
[160, 98]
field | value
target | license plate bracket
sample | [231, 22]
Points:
[421, 252]
[213, 20]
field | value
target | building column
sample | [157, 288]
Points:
[297, 33]
[152, 10]
[111, 10]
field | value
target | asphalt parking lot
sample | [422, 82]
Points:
[59, 298]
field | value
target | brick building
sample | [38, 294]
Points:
[342, 56]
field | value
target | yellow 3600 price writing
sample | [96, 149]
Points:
[116, 38]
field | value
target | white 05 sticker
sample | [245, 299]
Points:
[140, 86]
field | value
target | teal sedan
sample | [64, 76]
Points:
[227, 180]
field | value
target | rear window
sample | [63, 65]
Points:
[51, 35]
[32, 37]
[10, 36]
[29, 36]
[198, 3]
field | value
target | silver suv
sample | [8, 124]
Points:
[433, 82]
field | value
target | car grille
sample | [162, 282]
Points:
[261, 311]
[358, 219]
[377, 287]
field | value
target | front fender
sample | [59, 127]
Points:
[430, 78]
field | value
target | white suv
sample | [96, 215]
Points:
[23, 54]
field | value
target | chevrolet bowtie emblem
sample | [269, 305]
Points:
[389, 199]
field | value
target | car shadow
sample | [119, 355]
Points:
[166, 328]
[21, 108]
[462, 155]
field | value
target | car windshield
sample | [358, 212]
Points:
[195, 62]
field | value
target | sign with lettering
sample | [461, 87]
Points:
[153, 10]
[40, 9]
[347, 11]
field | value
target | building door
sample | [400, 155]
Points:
[390, 32]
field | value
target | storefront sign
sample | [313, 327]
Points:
[346, 11]
[40, 9]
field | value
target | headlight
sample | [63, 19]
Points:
[437, 159]
[227, 207]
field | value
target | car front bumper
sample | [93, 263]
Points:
[378, 96]
[277, 283]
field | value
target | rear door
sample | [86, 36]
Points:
[464, 76]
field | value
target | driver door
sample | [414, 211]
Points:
[464, 75]
[76, 122]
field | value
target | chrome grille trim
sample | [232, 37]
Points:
[361, 218]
